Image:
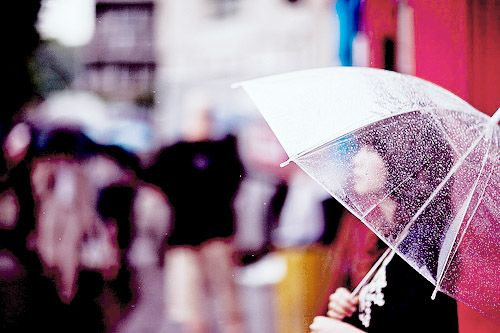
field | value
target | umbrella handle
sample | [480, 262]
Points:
[372, 270]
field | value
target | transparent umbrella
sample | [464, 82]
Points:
[415, 163]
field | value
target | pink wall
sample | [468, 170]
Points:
[457, 46]
[379, 22]
[442, 43]
[484, 70]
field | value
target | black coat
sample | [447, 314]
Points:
[408, 305]
[200, 180]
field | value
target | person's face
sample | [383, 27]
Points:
[370, 172]
[198, 125]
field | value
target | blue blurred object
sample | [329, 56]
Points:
[348, 13]
[133, 135]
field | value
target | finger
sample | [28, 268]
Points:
[338, 293]
[345, 295]
[342, 291]
[354, 300]
[318, 321]
[342, 304]
[334, 315]
[315, 324]
[345, 306]
[341, 311]
[345, 310]
[343, 300]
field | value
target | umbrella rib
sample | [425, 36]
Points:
[372, 270]
[440, 126]
[317, 147]
[387, 195]
[452, 171]
[438, 123]
[466, 205]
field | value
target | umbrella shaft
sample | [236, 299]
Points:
[372, 271]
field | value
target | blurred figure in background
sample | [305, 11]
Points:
[16, 224]
[54, 214]
[151, 216]
[115, 206]
[62, 199]
[69, 225]
[200, 177]
[66, 219]
[16, 217]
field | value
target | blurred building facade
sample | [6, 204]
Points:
[119, 61]
[208, 45]
[451, 43]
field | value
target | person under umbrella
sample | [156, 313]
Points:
[398, 298]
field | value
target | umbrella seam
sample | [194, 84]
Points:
[452, 256]
[388, 194]
[317, 147]
[452, 171]
[441, 185]
[444, 132]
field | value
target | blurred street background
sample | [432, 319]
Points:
[108, 103]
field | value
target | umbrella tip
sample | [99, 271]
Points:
[284, 164]
[496, 117]
[434, 293]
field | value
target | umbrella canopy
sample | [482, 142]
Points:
[415, 163]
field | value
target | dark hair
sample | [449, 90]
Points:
[115, 202]
[63, 141]
[418, 158]
[123, 157]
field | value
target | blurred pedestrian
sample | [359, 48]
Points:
[115, 206]
[200, 176]
[63, 212]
